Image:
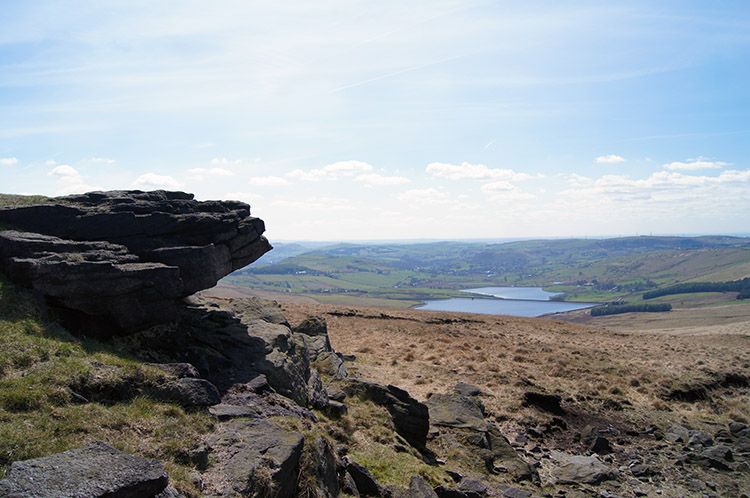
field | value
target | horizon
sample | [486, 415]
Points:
[428, 120]
[500, 240]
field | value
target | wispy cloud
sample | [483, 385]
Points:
[155, 181]
[394, 73]
[610, 159]
[695, 164]
[468, 171]
[331, 171]
[7, 161]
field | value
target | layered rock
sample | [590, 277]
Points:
[127, 256]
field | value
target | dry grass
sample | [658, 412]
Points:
[619, 376]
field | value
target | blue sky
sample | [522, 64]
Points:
[391, 119]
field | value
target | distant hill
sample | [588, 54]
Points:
[584, 269]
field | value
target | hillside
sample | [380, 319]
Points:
[584, 270]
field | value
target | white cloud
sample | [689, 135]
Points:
[7, 161]
[154, 181]
[493, 187]
[64, 170]
[580, 181]
[102, 160]
[50, 162]
[610, 159]
[695, 164]
[70, 181]
[331, 171]
[376, 179]
[268, 181]
[467, 171]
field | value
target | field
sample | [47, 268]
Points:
[404, 275]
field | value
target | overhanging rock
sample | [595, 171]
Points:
[127, 256]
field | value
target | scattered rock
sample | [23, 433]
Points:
[677, 434]
[336, 394]
[336, 409]
[93, 471]
[443, 491]
[700, 439]
[509, 492]
[465, 389]
[418, 488]
[473, 488]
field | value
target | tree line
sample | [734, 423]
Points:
[614, 309]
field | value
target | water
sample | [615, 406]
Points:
[517, 301]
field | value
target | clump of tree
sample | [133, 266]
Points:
[614, 309]
[741, 286]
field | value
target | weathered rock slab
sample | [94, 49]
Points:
[576, 469]
[253, 457]
[93, 471]
[455, 410]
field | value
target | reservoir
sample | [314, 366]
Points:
[516, 301]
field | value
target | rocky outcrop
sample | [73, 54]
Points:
[127, 256]
[409, 416]
[94, 471]
[459, 426]
[231, 343]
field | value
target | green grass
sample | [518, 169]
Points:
[22, 200]
[40, 363]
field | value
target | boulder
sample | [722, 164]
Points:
[93, 471]
[364, 483]
[418, 488]
[253, 457]
[127, 256]
[455, 410]
[574, 469]
[410, 417]
[189, 392]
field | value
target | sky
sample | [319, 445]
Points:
[351, 120]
